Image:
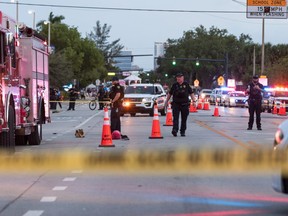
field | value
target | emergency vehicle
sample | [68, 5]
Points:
[278, 97]
[24, 85]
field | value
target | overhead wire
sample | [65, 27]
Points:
[126, 9]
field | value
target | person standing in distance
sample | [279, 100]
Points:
[254, 90]
[180, 92]
[73, 94]
[116, 95]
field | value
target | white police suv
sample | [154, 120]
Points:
[140, 98]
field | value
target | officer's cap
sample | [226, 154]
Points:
[179, 75]
[255, 77]
[115, 78]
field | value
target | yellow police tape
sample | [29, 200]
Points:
[178, 160]
[81, 101]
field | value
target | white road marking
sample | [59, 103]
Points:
[87, 120]
[34, 213]
[48, 199]
[59, 188]
[69, 179]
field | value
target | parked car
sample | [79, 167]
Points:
[218, 95]
[235, 99]
[205, 94]
[280, 178]
[140, 98]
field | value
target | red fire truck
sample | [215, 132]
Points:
[24, 85]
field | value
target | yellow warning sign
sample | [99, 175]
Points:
[266, 2]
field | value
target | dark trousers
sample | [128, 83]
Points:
[101, 104]
[176, 110]
[72, 104]
[255, 106]
[115, 119]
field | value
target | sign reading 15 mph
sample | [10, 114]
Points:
[268, 9]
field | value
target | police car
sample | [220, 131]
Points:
[140, 98]
[278, 97]
[235, 99]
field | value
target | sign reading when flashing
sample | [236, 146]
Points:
[267, 9]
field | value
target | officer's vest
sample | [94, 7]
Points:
[181, 93]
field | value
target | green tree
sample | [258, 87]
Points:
[85, 60]
[100, 35]
[213, 44]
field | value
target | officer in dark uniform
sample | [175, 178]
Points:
[116, 95]
[100, 95]
[73, 94]
[180, 91]
[255, 90]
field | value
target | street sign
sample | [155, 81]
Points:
[267, 9]
[220, 80]
[97, 82]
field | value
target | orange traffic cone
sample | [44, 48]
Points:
[206, 106]
[106, 131]
[282, 110]
[199, 106]
[192, 108]
[156, 133]
[216, 111]
[169, 118]
[274, 111]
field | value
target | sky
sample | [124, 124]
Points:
[139, 30]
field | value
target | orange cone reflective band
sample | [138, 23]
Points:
[106, 131]
[156, 133]
[199, 106]
[169, 118]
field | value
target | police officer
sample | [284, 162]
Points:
[73, 94]
[116, 95]
[254, 91]
[100, 95]
[180, 91]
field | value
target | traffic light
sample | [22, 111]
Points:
[174, 61]
[197, 63]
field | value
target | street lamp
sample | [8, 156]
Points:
[49, 30]
[33, 13]
[263, 41]
[17, 10]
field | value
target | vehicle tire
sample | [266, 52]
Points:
[133, 114]
[269, 110]
[34, 137]
[151, 113]
[92, 105]
[8, 138]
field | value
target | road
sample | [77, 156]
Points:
[76, 192]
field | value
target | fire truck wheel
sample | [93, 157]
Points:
[8, 138]
[34, 137]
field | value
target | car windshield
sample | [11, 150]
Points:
[139, 90]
